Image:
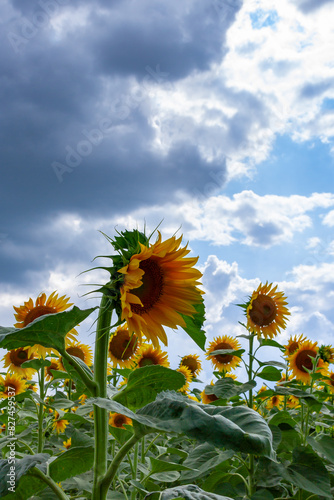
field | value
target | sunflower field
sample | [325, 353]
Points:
[122, 424]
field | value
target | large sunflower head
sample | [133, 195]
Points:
[119, 420]
[11, 385]
[123, 347]
[192, 362]
[150, 355]
[29, 312]
[293, 344]
[224, 362]
[155, 285]
[82, 351]
[301, 361]
[187, 378]
[60, 424]
[266, 311]
[14, 359]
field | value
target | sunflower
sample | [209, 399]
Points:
[119, 420]
[275, 401]
[82, 399]
[12, 383]
[15, 358]
[208, 398]
[82, 351]
[192, 362]
[224, 362]
[301, 359]
[123, 347]
[326, 353]
[60, 424]
[150, 355]
[293, 344]
[54, 366]
[29, 312]
[67, 444]
[292, 402]
[330, 383]
[187, 376]
[260, 391]
[266, 311]
[159, 287]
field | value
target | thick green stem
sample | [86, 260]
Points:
[41, 411]
[100, 380]
[105, 483]
[81, 372]
[50, 482]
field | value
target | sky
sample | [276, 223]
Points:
[216, 117]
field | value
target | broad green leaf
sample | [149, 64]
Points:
[186, 492]
[269, 474]
[263, 495]
[28, 486]
[238, 428]
[270, 373]
[282, 417]
[72, 462]
[324, 445]
[36, 364]
[48, 330]
[273, 363]
[22, 466]
[226, 388]
[145, 383]
[202, 459]
[271, 343]
[79, 438]
[308, 472]
[194, 325]
[157, 465]
[166, 477]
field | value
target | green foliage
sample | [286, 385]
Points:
[48, 330]
[194, 325]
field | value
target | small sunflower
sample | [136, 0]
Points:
[188, 377]
[208, 398]
[292, 402]
[150, 355]
[192, 362]
[12, 383]
[54, 366]
[260, 391]
[160, 285]
[123, 347]
[68, 443]
[326, 353]
[29, 312]
[60, 424]
[301, 359]
[119, 420]
[275, 401]
[293, 344]
[15, 358]
[266, 311]
[82, 351]
[226, 362]
[82, 399]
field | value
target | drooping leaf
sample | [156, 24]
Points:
[202, 459]
[145, 383]
[308, 472]
[226, 388]
[232, 352]
[21, 466]
[194, 325]
[270, 373]
[324, 445]
[72, 462]
[186, 492]
[48, 330]
[271, 343]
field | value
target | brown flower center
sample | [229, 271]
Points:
[190, 363]
[19, 356]
[223, 358]
[146, 361]
[76, 351]
[303, 360]
[211, 397]
[122, 346]
[332, 380]
[151, 289]
[119, 421]
[263, 311]
[36, 312]
[293, 347]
